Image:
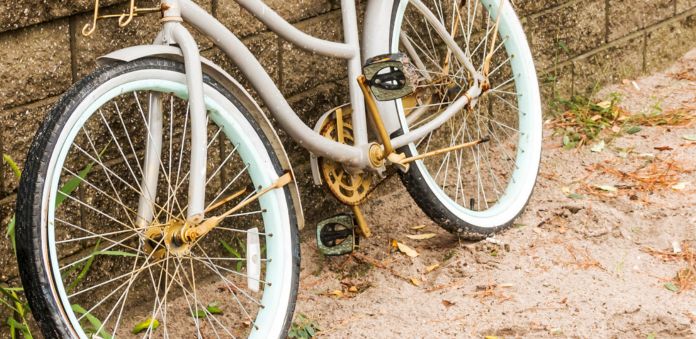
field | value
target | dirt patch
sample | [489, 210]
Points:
[574, 265]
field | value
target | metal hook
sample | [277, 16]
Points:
[126, 18]
[87, 30]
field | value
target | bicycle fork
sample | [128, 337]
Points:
[174, 32]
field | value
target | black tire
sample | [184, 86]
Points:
[430, 199]
[426, 199]
[31, 232]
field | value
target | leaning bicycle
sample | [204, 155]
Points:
[158, 201]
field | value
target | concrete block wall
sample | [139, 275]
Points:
[578, 45]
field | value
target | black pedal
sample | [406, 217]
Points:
[336, 235]
[389, 76]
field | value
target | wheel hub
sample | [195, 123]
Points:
[168, 239]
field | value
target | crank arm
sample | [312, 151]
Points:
[193, 233]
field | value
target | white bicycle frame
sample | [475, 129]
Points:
[356, 157]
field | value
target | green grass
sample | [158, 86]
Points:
[303, 327]
[19, 320]
[579, 120]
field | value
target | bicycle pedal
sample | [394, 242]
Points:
[336, 235]
[390, 76]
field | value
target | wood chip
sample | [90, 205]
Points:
[405, 249]
[423, 236]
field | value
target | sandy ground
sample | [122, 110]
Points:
[569, 268]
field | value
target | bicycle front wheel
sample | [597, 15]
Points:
[480, 190]
[91, 269]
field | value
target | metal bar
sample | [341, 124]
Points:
[357, 100]
[151, 166]
[422, 131]
[376, 118]
[301, 39]
[413, 54]
[199, 122]
[444, 150]
[362, 224]
[229, 198]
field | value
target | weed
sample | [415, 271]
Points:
[95, 325]
[148, 324]
[13, 165]
[303, 328]
[236, 249]
[18, 321]
[582, 120]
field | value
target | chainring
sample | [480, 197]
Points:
[349, 189]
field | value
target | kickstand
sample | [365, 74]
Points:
[360, 220]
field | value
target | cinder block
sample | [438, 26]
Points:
[524, 8]
[578, 27]
[243, 23]
[35, 63]
[20, 13]
[265, 47]
[618, 62]
[668, 42]
[302, 70]
[626, 17]
[17, 129]
[685, 5]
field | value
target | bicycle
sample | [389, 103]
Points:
[157, 199]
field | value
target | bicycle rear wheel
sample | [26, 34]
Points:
[480, 190]
[89, 270]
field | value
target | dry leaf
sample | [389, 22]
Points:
[605, 105]
[423, 236]
[419, 227]
[681, 186]
[415, 282]
[336, 293]
[407, 250]
[607, 188]
[353, 289]
[663, 148]
[566, 190]
[432, 267]
[447, 303]
[598, 147]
